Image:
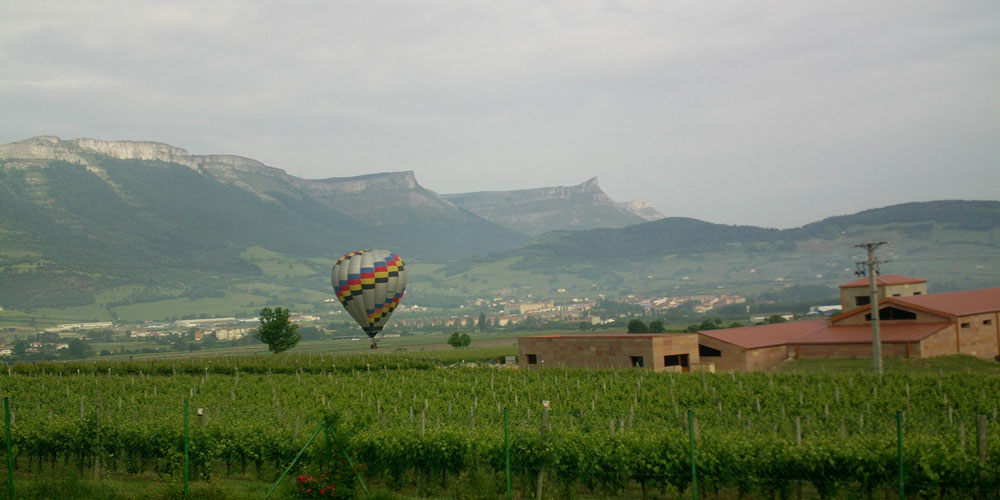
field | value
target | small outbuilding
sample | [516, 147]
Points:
[654, 351]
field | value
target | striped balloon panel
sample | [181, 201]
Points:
[369, 284]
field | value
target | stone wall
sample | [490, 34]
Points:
[848, 296]
[861, 350]
[979, 338]
[733, 357]
[766, 358]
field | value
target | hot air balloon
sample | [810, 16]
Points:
[369, 284]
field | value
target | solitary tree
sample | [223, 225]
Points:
[656, 327]
[78, 348]
[457, 340]
[637, 326]
[276, 330]
[482, 322]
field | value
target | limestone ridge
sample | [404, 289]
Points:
[391, 208]
[642, 208]
[81, 151]
[539, 210]
[243, 172]
[372, 182]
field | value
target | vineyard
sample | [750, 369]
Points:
[424, 424]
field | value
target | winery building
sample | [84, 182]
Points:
[913, 324]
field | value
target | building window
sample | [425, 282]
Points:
[532, 359]
[862, 300]
[916, 293]
[636, 361]
[965, 325]
[987, 322]
[895, 295]
[707, 352]
[889, 313]
[676, 360]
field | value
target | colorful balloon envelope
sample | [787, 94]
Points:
[369, 284]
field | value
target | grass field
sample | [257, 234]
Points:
[932, 366]
[505, 342]
[70, 485]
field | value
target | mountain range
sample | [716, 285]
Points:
[113, 224]
[537, 211]
[388, 209]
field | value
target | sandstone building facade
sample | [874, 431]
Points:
[658, 352]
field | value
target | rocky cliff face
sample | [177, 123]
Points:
[375, 194]
[243, 172]
[536, 211]
[82, 150]
[44, 147]
[342, 193]
[353, 212]
[390, 181]
[643, 208]
[136, 150]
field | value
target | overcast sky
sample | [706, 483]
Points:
[740, 112]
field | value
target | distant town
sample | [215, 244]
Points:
[502, 312]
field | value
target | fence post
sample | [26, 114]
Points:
[350, 463]
[899, 450]
[295, 460]
[694, 463]
[186, 447]
[10, 447]
[545, 438]
[981, 437]
[506, 448]
[97, 446]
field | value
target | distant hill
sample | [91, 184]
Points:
[536, 211]
[676, 234]
[668, 235]
[953, 244]
[955, 214]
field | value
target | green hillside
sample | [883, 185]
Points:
[677, 256]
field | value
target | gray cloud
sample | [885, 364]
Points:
[766, 113]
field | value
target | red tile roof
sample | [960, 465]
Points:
[753, 337]
[860, 334]
[818, 332]
[601, 335]
[885, 280]
[956, 303]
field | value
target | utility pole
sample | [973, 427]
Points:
[870, 267]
